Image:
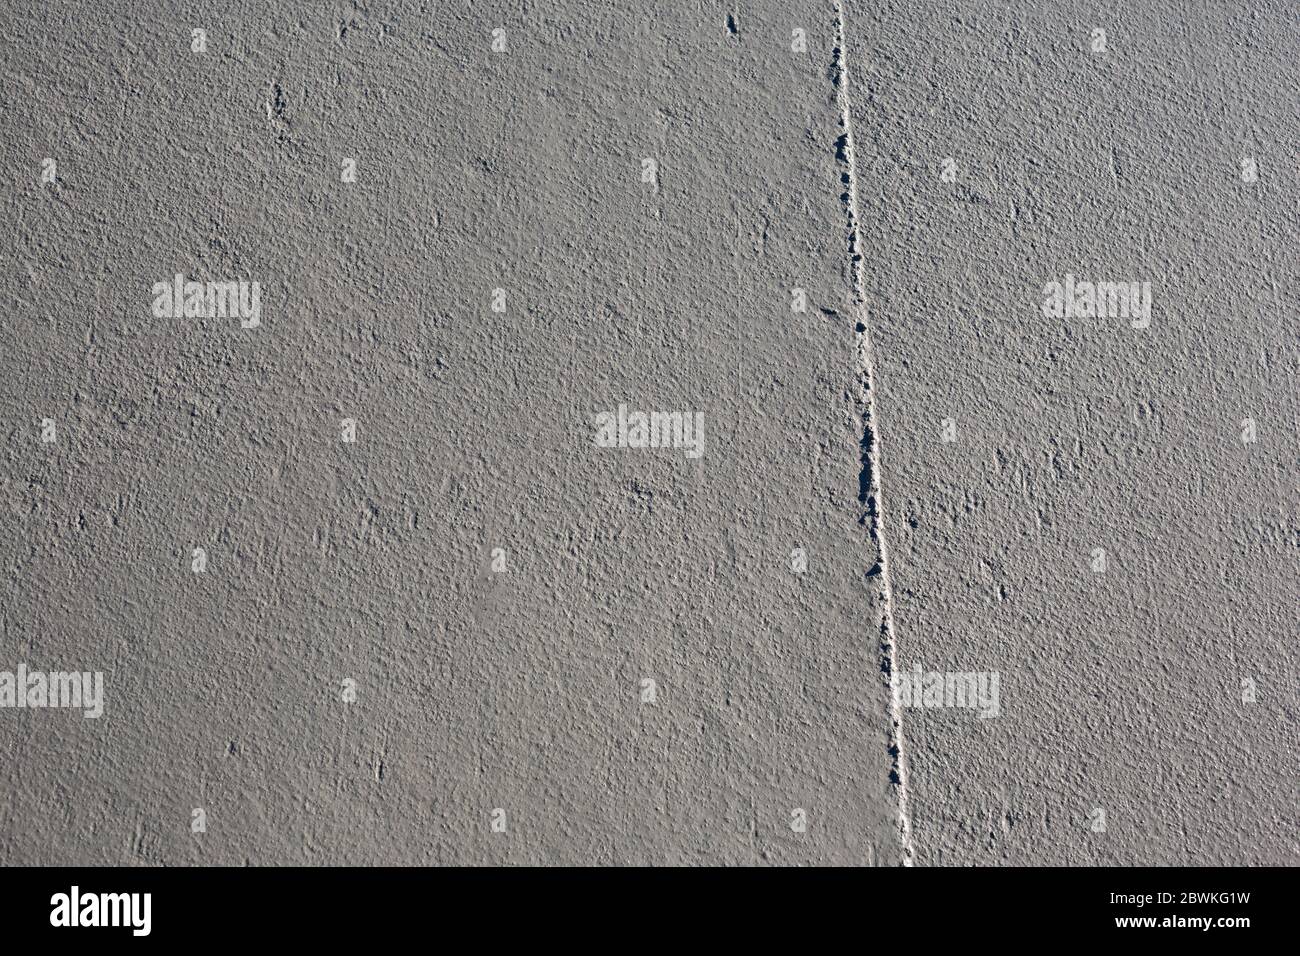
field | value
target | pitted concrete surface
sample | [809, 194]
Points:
[474, 634]
[1121, 690]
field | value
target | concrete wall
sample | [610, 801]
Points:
[365, 587]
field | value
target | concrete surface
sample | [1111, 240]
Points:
[1121, 690]
[432, 645]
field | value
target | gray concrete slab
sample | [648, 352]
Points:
[475, 634]
[520, 689]
[1121, 685]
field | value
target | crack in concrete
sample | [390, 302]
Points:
[869, 478]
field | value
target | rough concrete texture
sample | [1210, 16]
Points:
[432, 644]
[1121, 691]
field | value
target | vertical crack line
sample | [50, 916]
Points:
[869, 496]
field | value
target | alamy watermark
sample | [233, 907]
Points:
[177, 299]
[633, 429]
[75, 908]
[970, 690]
[1081, 299]
[54, 689]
